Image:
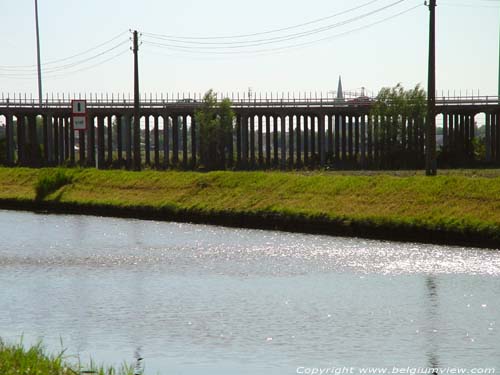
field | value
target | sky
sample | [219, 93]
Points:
[374, 46]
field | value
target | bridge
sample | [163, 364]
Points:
[270, 132]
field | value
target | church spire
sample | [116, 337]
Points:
[340, 91]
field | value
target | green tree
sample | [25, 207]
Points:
[215, 123]
[401, 115]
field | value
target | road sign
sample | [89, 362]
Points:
[79, 107]
[80, 122]
[79, 110]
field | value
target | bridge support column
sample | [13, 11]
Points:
[344, 139]
[496, 148]
[307, 120]
[260, 134]
[109, 139]
[166, 141]
[350, 142]
[57, 143]
[66, 138]
[10, 139]
[376, 141]
[268, 141]
[363, 142]
[175, 140]
[185, 155]
[291, 142]
[369, 146]
[321, 140]
[238, 141]
[356, 138]
[283, 142]
[252, 141]
[312, 136]
[62, 139]
[72, 157]
[487, 139]
[336, 138]
[244, 139]
[446, 131]
[119, 139]
[193, 143]
[298, 137]
[147, 141]
[127, 130]
[275, 141]
[81, 146]
[329, 148]
[100, 142]
[156, 138]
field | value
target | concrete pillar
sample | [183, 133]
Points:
[363, 142]
[238, 141]
[445, 131]
[299, 141]
[175, 140]
[66, 137]
[283, 142]
[487, 139]
[244, 140]
[20, 138]
[57, 144]
[369, 145]
[109, 140]
[312, 137]
[9, 128]
[252, 141]
[275, 141]
[100, 142]
[376, 140]
[119, 139]
[45, 127]
[166, 141]
[260, 145]
[496, 149]
[193, 143]
[147, 141]
[307, 119]
[62, 141]
[329, 149]
[350, 139]
[290, 141]
[268, 141]
[337, 137]
[185, 155]
[356, 138]
[81, 145]
[321, 140]
[344, 138]
[127, 130]
[71, 142]
[156, 139]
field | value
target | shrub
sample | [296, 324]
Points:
[51, 180]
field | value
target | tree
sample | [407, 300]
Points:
[401, 115]
[215, 123]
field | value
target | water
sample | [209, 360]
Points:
[202, 299]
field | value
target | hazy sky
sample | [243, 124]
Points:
[392, 51]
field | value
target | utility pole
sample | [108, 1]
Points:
[38, 55]
[430, 154]
[137, 122]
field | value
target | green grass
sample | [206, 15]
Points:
[465, 202]
[17, 360]
[51, 180]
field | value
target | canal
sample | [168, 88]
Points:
[204, 299]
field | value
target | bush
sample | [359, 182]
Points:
[51, 180]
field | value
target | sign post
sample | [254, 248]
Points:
[79, 114]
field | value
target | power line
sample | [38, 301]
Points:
[278, 39]
[273, 31]
[65, 66]
[270, 50]
[51, 62]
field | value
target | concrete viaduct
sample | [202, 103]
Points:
[275, 133]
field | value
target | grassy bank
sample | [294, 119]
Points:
[17, 360]
[460, 207]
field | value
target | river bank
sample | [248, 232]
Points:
[459, 207]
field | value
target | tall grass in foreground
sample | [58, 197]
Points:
[50, 180]
[17, 360]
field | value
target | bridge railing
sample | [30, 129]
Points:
[195, 100]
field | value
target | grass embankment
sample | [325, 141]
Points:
[17, 360]
[456, 207]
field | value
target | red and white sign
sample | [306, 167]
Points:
[79, 110]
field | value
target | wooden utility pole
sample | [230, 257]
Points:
[430, 154]
[137, 121]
